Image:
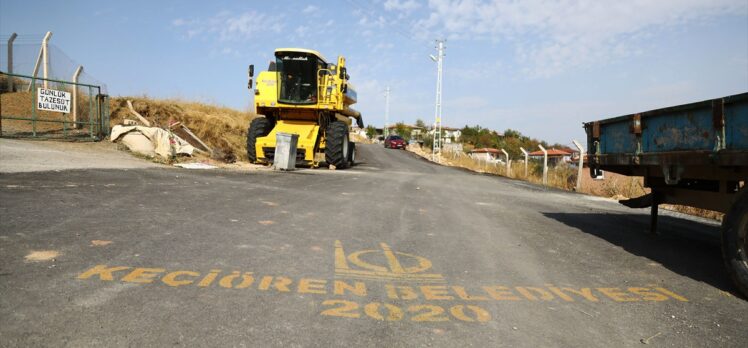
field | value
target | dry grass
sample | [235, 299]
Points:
[355, 137]
[613, 185]
[709, 214]
[564, 177]
[220, 127]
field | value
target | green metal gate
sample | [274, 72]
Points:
[47, 108]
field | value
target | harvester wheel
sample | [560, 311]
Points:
[259, 127]
[337, 144]
[735, 242]
[352, 155]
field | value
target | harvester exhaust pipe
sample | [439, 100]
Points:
[251, 75]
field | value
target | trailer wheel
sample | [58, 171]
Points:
[259, 127]
[735, 242]
[337, 144]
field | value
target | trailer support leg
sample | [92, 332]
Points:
[653, 219]
[654, 210]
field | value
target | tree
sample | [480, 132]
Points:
[402, 130]
[511, 140]
[428, 142]
[511, 133]
[420, 123]
[371, 132]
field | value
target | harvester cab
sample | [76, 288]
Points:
[301, 93]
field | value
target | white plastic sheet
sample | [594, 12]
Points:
[150, 141]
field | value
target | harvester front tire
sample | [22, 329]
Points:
[337, 144]
[259, 127]
[735, 242]
[352, 154]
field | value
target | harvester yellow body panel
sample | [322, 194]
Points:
[307, 132]
[267, 86]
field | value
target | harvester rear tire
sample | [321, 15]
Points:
[259, 127]
[337, 144]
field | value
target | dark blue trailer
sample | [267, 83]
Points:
[693, 154]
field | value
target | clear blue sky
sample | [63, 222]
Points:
[541, 67]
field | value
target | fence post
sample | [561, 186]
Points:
[76, 74]
[32, 88]
[508, 174]
[11, 80]
[526, 155]
[45, 45]
[42, 56]
[581, 163]
[545, 165]
[90, 111]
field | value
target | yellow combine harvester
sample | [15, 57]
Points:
[301, 93]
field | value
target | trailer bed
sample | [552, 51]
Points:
[693, 154]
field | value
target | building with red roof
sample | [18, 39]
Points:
[555, 156]
[487, 154]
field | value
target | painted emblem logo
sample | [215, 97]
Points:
[385, 264]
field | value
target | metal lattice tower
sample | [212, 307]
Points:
[439, 59]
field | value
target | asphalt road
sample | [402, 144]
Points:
[394, 252]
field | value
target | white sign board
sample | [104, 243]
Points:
[53, 100]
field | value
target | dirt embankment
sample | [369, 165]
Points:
[220, 127]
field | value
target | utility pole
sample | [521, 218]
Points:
[386, 111]
[439, 59]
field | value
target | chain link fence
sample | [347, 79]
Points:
[48, 108]
[38, 98]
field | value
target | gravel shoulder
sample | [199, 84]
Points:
[17, 156]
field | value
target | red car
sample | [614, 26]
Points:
[395, 142]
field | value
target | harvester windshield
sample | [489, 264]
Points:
[297, 73]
